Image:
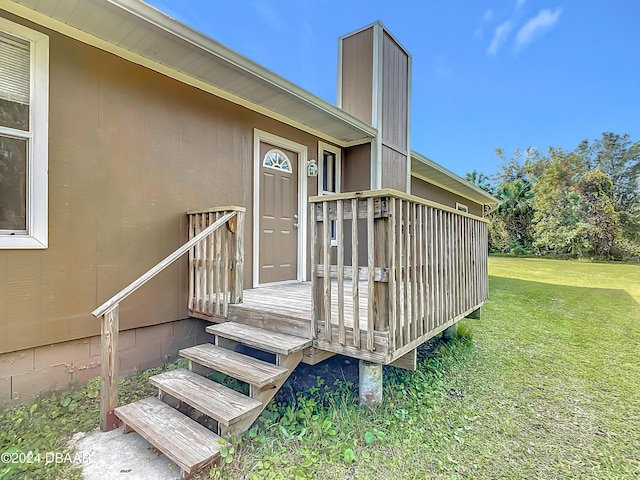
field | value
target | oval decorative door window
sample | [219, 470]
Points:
[277, 160]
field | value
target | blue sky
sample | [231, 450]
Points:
[486, 74]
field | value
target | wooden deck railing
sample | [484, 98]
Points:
[216, 265]
[233, 218]
[423, 265]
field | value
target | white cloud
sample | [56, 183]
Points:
[499, 37]
[488, 15]
[536, 26]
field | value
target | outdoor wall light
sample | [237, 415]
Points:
[312, 168]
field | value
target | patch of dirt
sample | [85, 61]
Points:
[338, 368]
[336, 372]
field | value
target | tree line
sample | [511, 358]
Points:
[584, 203]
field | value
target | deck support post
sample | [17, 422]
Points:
[450, 332]
[109, 377]
[370, 383]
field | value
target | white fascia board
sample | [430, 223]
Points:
[178, 29]
[214, 48]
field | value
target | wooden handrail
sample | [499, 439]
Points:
[109, 311]
[391, 193]
[133, 286]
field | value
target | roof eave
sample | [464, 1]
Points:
[487, 198]
[304, 111]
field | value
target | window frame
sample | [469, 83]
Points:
[322, 148]
[36, 235]
[462, 207]
[325, 147]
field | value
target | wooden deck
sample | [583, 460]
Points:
[399, 271]
[293, 301]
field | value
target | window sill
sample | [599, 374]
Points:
[22, 242]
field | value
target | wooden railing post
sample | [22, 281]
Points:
[109, 379]
[380, 259]
[237, 273]
[317, 293]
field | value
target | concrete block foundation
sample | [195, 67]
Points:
[26, 373]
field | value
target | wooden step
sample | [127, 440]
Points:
[181, 439]
[241, 313]
[211, 398]
[267, 340]
[246, 369]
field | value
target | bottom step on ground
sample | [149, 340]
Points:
[184, 441]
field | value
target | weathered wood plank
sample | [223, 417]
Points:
[260, 316]
[266, 340]
[389, 192]
[377, 356]
[421, 270]
[407, 279]
[200, 294]
[184, 441]
[409, 361]
[226, 239]
[218, 261]
[380, 289]
[246, 369]
[191, 263]
[380, 208]
[237, 274]
[381, 274]
[391, 255]
[211, 398]
[432, 269]
[371, 264]
[399, 269]
[110, 327]
[226, 208]
[315, 286]
[414, 272]
[340, 248]
[355, 294]
[313, 356]
[326, 260]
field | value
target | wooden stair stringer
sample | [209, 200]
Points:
[265, 395]
[288, 350]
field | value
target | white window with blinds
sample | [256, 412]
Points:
[24, 111]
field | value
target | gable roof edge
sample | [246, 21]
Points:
[466, 189]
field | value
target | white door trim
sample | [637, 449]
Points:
[301, 150]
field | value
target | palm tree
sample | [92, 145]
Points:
[516, 209]
[480, 180]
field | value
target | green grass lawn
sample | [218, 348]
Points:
[546, 385]
[549, 387]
